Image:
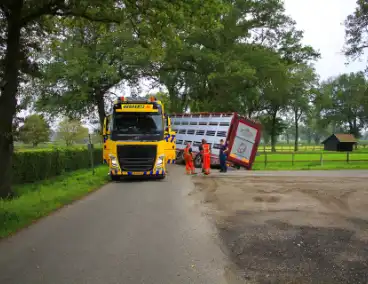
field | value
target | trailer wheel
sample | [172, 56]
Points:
[198, 161]
[180, 157]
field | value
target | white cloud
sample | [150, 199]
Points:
[322, 23]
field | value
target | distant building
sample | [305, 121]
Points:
[340, 143]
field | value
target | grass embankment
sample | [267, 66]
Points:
[311, 161]
[39, 199]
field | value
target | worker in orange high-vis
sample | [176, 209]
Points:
[188, 158]
[206, 157]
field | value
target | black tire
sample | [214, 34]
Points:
[114, 177]
[180, 157]
[161, 177]
[198, 161]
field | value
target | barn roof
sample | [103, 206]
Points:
[344, 138]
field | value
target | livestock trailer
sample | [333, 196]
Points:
[243, 136]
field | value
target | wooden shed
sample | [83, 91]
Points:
[340, 143]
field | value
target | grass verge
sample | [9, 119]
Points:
[311, 161]
[39, 199]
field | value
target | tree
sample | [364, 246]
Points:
[315, 126]
[272, 127]
[25, 25]
[90, 60]
[71, 131]
[303, 81]
[22, 25]
[35, 130]
[344, 101]
[356, 32]
[289, 131]
[230, 67]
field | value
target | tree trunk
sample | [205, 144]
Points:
[175, 103]
[317, 139]
[296, 121]
[8, 100]
[273, 132]
[250, 113]
[309, 136]
[101, 108]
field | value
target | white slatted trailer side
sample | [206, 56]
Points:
[197, 126]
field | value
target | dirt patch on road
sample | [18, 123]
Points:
[291, 229]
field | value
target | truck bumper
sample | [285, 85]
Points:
[154, 173]
[171, 161]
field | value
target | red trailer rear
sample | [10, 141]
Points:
[244, 136]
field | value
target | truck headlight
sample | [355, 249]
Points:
[160, 161]
[114, 161]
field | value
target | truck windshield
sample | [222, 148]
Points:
[137, 123]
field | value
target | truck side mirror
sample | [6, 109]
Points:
[105, 130]
[104, 126]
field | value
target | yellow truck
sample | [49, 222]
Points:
[138, 139]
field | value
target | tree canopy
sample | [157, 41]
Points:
[71, 131]
[35, 130]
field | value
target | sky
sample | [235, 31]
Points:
[322, 23]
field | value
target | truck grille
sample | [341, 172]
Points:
[136, 157]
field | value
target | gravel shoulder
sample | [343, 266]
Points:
[285, 227]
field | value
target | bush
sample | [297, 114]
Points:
[31, 166]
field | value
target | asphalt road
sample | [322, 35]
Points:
[129, 232]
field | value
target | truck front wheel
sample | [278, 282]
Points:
[114, 177]
[161, 177]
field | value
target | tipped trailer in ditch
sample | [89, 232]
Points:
[243, 136]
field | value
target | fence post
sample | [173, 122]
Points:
[347, 157]
[292, 158]
[265, 161]
[321, 159]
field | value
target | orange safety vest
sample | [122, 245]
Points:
[206, 149]
[187, 155]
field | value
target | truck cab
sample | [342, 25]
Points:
[134, 139]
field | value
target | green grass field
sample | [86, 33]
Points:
[311, 160]
[39, 199]
[302, 148]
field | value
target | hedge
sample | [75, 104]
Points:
[31, 166]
